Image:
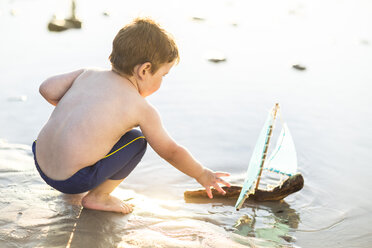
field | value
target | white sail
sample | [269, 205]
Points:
[258, 157]
[283, 159]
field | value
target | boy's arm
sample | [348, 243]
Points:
[175, 154]
[54, 88]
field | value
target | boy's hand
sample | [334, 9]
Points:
[209, 178]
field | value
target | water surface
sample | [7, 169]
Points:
[215, 110]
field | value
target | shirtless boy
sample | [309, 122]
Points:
[89, 144]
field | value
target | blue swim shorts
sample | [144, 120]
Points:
[116, 165]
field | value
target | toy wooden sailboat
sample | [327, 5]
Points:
[283, 161]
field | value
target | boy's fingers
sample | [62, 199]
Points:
[219, 189]
[209, 192]
[222, 174]
[128, 208]
[220, 180]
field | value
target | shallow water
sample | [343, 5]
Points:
[216, 110]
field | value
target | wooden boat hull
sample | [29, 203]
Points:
[289, 186]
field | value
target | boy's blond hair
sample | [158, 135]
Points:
[139, 42]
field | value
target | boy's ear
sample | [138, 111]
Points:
[144, 69]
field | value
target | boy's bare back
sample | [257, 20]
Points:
[90, 118]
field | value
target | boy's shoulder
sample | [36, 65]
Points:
[148, 114]
[94, 70]
[101, 76]
[110, 86]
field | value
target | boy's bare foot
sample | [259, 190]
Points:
[106, 202]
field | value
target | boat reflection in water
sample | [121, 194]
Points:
[273, 223]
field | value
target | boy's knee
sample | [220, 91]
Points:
[141, 141]
[135, 133]
[142, 144]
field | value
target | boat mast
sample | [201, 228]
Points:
[275, 110]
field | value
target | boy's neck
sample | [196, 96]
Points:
[131, 79]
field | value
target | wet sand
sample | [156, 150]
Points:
[214, 109]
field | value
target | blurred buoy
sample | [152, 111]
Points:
[217, 59]
[215, 56]
[299, 67]
[198, 18]
[56, 25]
